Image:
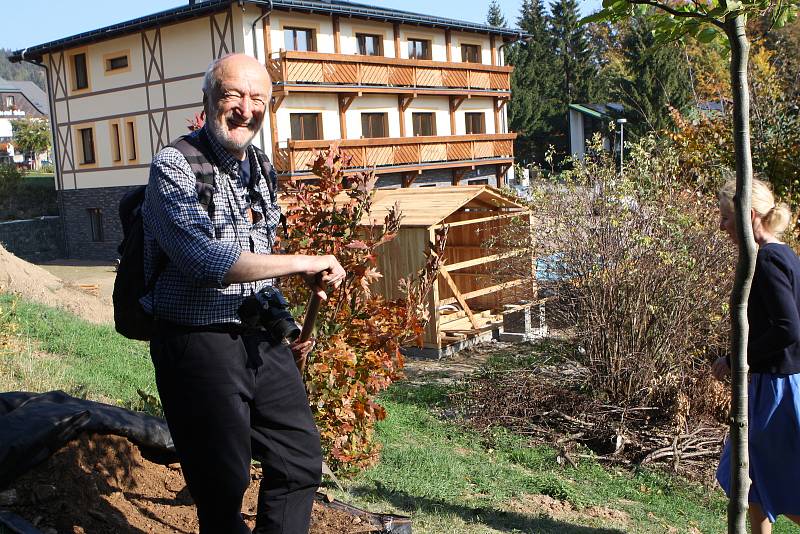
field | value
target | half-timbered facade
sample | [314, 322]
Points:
[421, 99]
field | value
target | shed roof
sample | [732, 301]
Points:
[428, 206]
[199, 8]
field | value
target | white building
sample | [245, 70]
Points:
[420, 98]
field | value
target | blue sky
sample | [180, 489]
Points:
[33, 22]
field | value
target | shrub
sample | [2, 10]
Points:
[10, 178]
[359, 333]
[641, 273]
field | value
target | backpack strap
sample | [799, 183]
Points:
[268, 172]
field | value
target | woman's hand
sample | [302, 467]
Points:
[720, 368]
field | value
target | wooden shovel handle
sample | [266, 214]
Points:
[312, 310]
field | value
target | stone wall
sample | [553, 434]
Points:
[34, 240]
[75, 206]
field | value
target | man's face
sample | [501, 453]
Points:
[236, 109]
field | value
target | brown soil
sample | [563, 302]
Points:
[102, 484]
[34, 283]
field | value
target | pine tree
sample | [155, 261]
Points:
[576, 66]
[659, 79]
[495, 16]
[533, 84]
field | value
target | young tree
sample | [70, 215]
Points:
[31, 136]
[495, 16]
[658, 79]
[707, 21]
[533, 83]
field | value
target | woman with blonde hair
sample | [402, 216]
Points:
[773, 355]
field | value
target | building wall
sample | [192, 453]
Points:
[33, 240]
[75, 217]
[160, 91]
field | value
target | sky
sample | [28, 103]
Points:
[33, 22]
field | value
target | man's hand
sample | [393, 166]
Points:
[328, 271]
[720, 369]
[300, 351]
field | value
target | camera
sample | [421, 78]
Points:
[268, 310]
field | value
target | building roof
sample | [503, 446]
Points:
[599, 111]
[30, 90]
[428, 206]
[199, 8]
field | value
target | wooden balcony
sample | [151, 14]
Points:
[395, 154]
[314, 71]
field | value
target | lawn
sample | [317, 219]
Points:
[448, 478]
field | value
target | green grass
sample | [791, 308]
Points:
[448, 478]
[92, 360]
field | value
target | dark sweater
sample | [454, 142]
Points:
[773, 312]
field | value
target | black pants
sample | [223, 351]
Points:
[229, 398]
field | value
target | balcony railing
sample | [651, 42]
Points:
[341, 69]
[399, 151]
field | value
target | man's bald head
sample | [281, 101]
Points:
[232, 64]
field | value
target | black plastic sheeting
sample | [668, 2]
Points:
[33, 426]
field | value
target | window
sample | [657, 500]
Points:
[424, 123]
[470, 53]
[369, 45]
[86, 136]
[306, 125]
[116, 147]
[130, 139]
[475, 123]
[96, 223]
[479, 181]
[117, 62]
[9, 102]
[374, 124]
[81, 80]
[419, 49]
[300, 39]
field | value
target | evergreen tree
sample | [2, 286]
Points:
[659, 79]
[533, 84]
[21, 71]
[495, 16]
[575, 55]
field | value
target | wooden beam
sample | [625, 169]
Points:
[344, 104]
[460, 298]
[458, 174]
[408, 178]
[396, 30]
[493, 46]
[277, 100]
[482, 292]
[496, 111]
[337, 43]
[401, 115]
[500, 173]
[265, 30]
[449, 45]
[385, 89]
[406, 100]
[484, 219]
[394, 141]
[455, 103]
[483, 259]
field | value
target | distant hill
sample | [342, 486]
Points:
[21, 71]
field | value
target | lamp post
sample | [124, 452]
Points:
[621, 123]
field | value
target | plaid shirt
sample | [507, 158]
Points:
[202, 248]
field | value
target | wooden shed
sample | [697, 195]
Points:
[473, 290]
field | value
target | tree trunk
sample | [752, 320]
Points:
[745, 265]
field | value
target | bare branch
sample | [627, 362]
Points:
[680, 14]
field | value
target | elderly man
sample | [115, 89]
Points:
[230, 392]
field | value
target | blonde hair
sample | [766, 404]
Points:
[774, 216]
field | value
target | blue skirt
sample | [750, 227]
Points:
[774, 419]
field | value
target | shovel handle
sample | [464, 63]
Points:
[312, 310]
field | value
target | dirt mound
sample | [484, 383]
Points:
[102, 484]
[34, 283]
